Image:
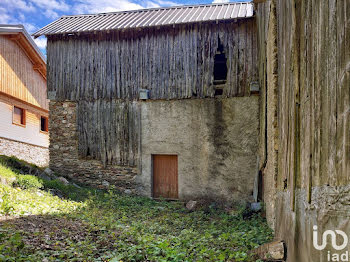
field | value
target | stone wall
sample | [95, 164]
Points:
[216, 141]
[64, 157]
[33, 154]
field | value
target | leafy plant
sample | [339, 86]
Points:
[27, 182]
[95, 225]
[6, 207]
[69, 191]
[10, 246]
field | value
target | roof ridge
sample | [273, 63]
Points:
[151, 17]
[157, 8]
[12, 25]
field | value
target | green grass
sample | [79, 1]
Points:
[7, 174]
[93, 225]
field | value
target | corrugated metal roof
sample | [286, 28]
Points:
[147, 18]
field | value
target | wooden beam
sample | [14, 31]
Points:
[38, 66]
[9, 98]
[15, 37]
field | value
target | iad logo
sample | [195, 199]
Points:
[335, 256]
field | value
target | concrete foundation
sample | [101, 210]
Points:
[328, 210]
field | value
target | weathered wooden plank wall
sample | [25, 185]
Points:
[313, 143]
[313, 111]
[266, 18]
[104, 72]
[262, 21]
[314, 87]
[108, 130]
[172, 63]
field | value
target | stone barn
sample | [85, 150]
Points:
[163, 102]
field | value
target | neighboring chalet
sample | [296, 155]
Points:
[23, 97]
[158, 101]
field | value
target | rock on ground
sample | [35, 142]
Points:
[63, 180]
[105, 183]
[48, 171]
[127, 191]
[44, 176]
[191, 205]
[255, 206]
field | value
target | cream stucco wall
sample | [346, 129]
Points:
[216, 141]
[30, 133]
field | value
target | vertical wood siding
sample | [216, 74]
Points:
[17, 76]
[314, 93]
[103, 73]
[313, 174]
[108, 130]
[172, 63]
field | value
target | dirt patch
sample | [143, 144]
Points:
[54, 233]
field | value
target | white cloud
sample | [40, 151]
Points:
[4, 16]
[41, 42]
[150, 4]
[51, 5]
[158, 3]
[30, 27]
[51, 14]
[220, 1]
[166, 3]
[102, 6]
[18, 4]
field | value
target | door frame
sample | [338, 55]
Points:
[152, 174]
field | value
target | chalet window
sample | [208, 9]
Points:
[44, 125]
[19, 116]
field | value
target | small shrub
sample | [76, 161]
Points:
[6, 207]
[69, 191]
[7, 176]
[18, 166]
[28, 182]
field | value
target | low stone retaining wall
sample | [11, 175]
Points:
[31, 153]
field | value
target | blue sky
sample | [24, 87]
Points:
[34, 14]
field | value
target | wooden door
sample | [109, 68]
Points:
[165, 183]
